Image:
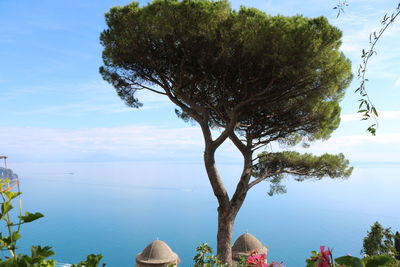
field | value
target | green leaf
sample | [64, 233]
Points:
[301, 166]
[39, 252]
[349, 261]
[92, 260]
[11, 195]
[374, 111]
[29, 217]
[46, 263]
[372, 130]
[15, 236]
[312, 262]
[5, 208]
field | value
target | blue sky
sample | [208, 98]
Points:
[54, 105]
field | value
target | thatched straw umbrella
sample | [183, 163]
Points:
[245, 244]
[156, 254]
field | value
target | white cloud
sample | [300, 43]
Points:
[382, 115]
[395, 114]
[143, 142]
[350, 117]
[361, 148]
[84, 107]
[119, 143]
[137, 142]
[91, 96]
[397, 83]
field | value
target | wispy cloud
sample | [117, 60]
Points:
[397, 83]
[83, 107]
[350, 117]
[131, 142]
[144, 142]
[368, 148]
[106, 100]
[393, 114]
[90, 96]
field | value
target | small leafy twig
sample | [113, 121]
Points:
[366, 106]
[340, 7]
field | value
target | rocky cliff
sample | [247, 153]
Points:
[11, 174]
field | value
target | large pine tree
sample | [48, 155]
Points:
[257, 78]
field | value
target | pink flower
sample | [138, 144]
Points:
[257, 260]
[324, 260]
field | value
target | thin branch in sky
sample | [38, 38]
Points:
[340, 7]
[366, 106]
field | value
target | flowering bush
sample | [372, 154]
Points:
[324, 258]
[205, 258]
[258, 260]
[321, 259]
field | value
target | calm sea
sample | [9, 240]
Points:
[116, 209]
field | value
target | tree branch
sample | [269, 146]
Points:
[260, 179]
[242, 186]
[366, 106]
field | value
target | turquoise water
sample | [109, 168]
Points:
[118, 208]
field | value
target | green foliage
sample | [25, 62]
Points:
[340, 7]
[383, 260]
[380, 260]
[204, 257]
[372, 261]
[281, 75]
[301, 166]
[323, 258]
[91, 261]
[255, 77]
[366, 107]
[378, 241]
[39, 255]
[397, 245]
[30, 217]
[349, 261]
[242, 262]
[8, 241]
[311, 260]
[378, 247]
[34, 260]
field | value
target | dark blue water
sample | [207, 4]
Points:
[116, 209]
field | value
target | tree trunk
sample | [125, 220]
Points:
[226, 219]
[227, 209]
